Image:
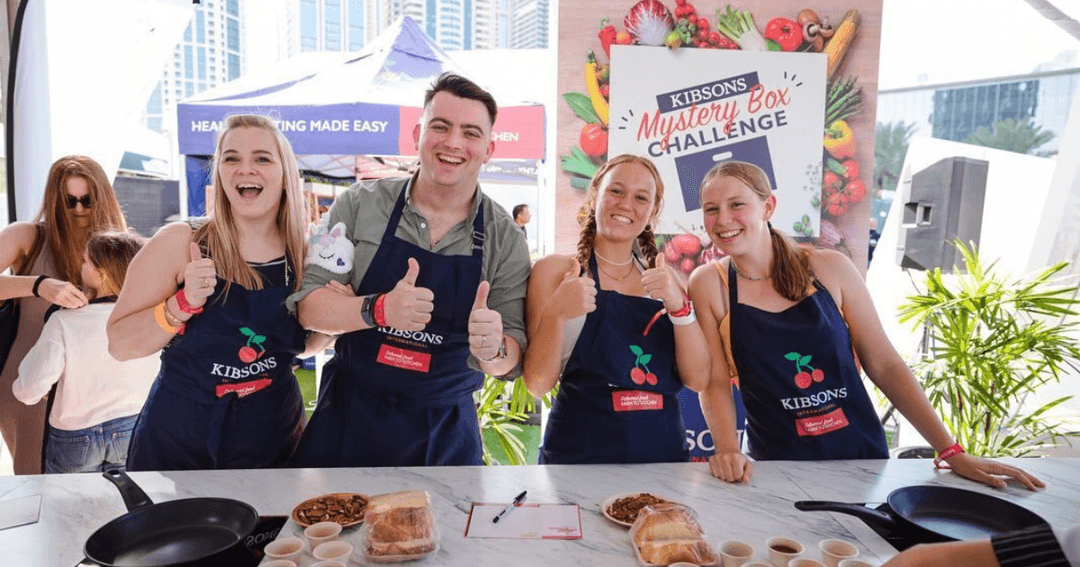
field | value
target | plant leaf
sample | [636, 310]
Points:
[792, 356]
[645, 358]
[582, 107]
[636, 350]
[247, 332]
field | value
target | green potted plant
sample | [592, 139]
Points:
[502, 406]
[993, 342]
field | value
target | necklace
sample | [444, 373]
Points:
[618, 279]
[597, 254]
[744, 276]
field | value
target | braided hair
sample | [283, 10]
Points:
[587, 214]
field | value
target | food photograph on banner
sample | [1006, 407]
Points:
[787, 87]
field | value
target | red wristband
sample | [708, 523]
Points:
[949, 452]
[182, 303]
[685, 308]
[380, 310]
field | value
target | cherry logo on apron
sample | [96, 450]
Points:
[803, 378]
[638, 375]
[248, 354]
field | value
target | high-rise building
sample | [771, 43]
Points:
[334, 25]
[529, 27]
[210, 53]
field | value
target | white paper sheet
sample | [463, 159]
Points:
[21, 511]
[527, 521]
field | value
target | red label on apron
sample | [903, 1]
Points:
[822, 424]
[242, 388]
[636, 400]
[406, 359]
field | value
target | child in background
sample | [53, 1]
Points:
[98, 398]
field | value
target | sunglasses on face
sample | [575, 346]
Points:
[73, 201]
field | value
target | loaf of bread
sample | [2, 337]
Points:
[666, 521]
[668, 533]
[399, 523]
[666, 552]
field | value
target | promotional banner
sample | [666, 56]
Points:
[706, 106]
[788, 86]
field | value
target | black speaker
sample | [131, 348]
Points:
[945, 204]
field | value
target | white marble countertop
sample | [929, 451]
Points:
[73, 506]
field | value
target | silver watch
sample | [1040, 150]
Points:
[497, 357]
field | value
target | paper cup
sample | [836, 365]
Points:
[736, 553]
[322, 532]
[833, 551]
[782, 550]
[330, 563]
[338, 550]
[805, 562]
[855, 563]
[278, 563]
[288, 548]
[757, 564]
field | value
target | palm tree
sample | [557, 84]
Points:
[1010, 135]
[890, 148]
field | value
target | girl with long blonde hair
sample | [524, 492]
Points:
[790, 321]
[213, 295]
[613, 326]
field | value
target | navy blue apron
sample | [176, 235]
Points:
[803, 394]
[618, 396]
[403, 398]
[226, 396]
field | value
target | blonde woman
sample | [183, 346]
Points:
[213, 296]
[614, 327]
[78, 202]
[790, 321]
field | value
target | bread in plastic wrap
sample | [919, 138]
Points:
[398, 526]
[667, 533]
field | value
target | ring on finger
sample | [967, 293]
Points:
[483, 341]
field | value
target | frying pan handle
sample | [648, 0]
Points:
[876, 517]
[134, 497]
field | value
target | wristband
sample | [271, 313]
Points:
[379, 312]
[687, 308]
[159, 316]
[182, 303]
[948, 453]
[37, 284]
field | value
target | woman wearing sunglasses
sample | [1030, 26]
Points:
[45, 256]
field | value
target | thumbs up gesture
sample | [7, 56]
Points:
[575, 296]
[661, 283]
[485, 326]
[409, 307]
[200, 278]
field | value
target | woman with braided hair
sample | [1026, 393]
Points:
[614, 326]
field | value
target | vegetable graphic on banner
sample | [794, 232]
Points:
[697, 108]
[678, 25]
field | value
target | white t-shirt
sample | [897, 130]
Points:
[93, 386]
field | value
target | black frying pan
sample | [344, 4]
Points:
[170, 534]
[939, 513]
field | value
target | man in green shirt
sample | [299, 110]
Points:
[439, 271]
